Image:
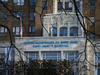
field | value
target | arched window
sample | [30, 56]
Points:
[63, 31]
[54, 31]
[74, 31]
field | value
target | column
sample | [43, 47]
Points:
[40, 55]
[62, 55]
[58, 28]
[68, 29]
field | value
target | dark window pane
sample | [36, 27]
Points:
[92, 4]
[61, 32]
[54, 32]
[91, 36]
[32, 2]
[66, 5]
[74, 32]
[59, 6]
[78, 5]
[32, 16]
[44, 5]
[65, 32]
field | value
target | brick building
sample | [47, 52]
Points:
[31, 14]
[91, 11]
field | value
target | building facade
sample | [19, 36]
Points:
[91, 13]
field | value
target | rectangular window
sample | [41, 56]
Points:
[32, 30]
[3, 15]
[18, 15]
[44, 5]
[32, 2]
[92, 20]
[16, 30]
[55, 32]
[91, 36]
[68, 6]
[18, 2]
[3, 31]
[97, 63]
[4, 1]
[73, 58]
[59, 6]
[78, 5]
[2, 64]
[53, 56]
[92, 4]
[32, 16]
[63, 31]
[31, 56]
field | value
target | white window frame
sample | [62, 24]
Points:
[75, 56]
[45, 57]
[18, 2]
[92, 19]
[28, 56]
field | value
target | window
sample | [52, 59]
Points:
[73, 58]
[32, 30]
[97, 63]
[92, 19]
[92, 4]
[32, 2]
[16, 30]
[63, 31]
[44, 5]
[32, 16]
[54, 32]
[2, 63]
[18, 15]
[68, 6]
[4, 1]
[59, 6]
[78, 5]
[3, 15]
[3, 31]
[53, 56]
[91, 36]
[18, 2]
[31, 56]
[74, 31]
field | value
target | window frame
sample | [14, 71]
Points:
[59, 6]
[92, 19]
[75, 33]
[53, 31]
[97, 56]
[69, 8]
[32, 32]
[18, 15]
[44, 5]
[91, 36]
[4, 32]
[45, 56]
[32, 17]
[15, 30]
[4, 1]
[92, 4]
[75, 62]
[63, 34]
[32, 2]
[36, 56]
[18, 2]
[3, 15]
